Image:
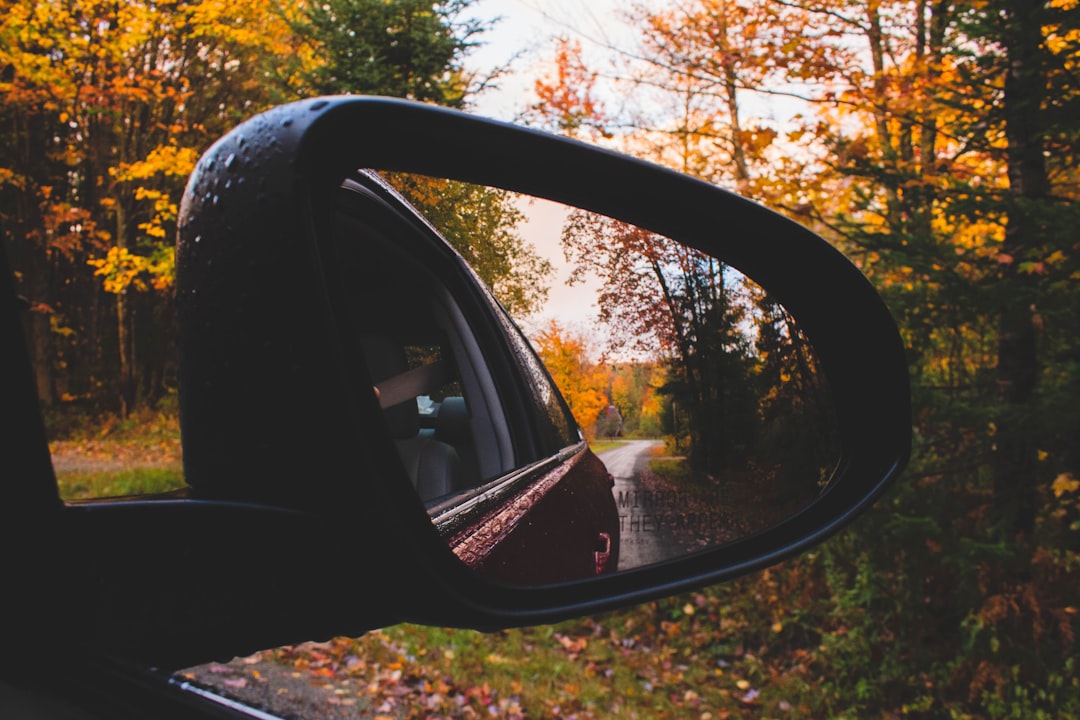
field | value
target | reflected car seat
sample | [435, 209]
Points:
[433, 466]
[452, 426]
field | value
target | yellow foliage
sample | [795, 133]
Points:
[168, 160]
[9, 177]
[152, 229]
[1065, 483]
[1055, 258]
[56, 326]
[123, 270]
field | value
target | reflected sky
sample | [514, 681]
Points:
[572, 306]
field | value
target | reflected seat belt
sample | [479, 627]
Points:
[407, 385]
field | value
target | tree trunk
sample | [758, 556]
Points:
[876, 39]
[125, 344]
[26, 247]
[1017, 370]
[738, 152]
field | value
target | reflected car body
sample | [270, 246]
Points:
[564, 522]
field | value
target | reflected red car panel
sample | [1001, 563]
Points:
[563, 526]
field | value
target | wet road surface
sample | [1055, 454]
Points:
[643, 515]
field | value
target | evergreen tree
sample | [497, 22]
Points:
[402, 48]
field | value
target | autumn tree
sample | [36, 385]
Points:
[955, 190]
[661, 297]
[111, 104]
[678, 96]
[1038, 49]
[952, 176]
[566, 100]
[580, 379]
[798, 421]
[482, 224]
[637, 391]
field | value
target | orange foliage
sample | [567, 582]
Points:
[567, 100]
[581, 381]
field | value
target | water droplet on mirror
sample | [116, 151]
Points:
[230, 161]
[198, 239]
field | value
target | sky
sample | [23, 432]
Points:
[522, 37]
[523, 33]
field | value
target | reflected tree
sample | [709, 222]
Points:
[482, 224]
[660, 294]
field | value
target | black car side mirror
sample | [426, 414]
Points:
[275, 413]
[303, 518]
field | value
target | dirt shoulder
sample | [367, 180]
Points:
[262, 682]
[111, 456]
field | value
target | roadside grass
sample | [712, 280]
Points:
[719, 653]
[670, 659]
[599, 446]
[674, 470]
[545, 671]
[728, 507]
[81, 485]
[108, 456]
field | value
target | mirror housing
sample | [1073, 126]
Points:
[269, 416]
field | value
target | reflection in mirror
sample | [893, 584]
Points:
[705, 417]
[724, 417]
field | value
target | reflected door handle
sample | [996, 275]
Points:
[603, 551]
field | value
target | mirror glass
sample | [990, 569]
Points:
[604, 399]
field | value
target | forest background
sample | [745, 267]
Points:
[936, 145]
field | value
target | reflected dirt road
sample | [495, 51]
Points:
[643, 515]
